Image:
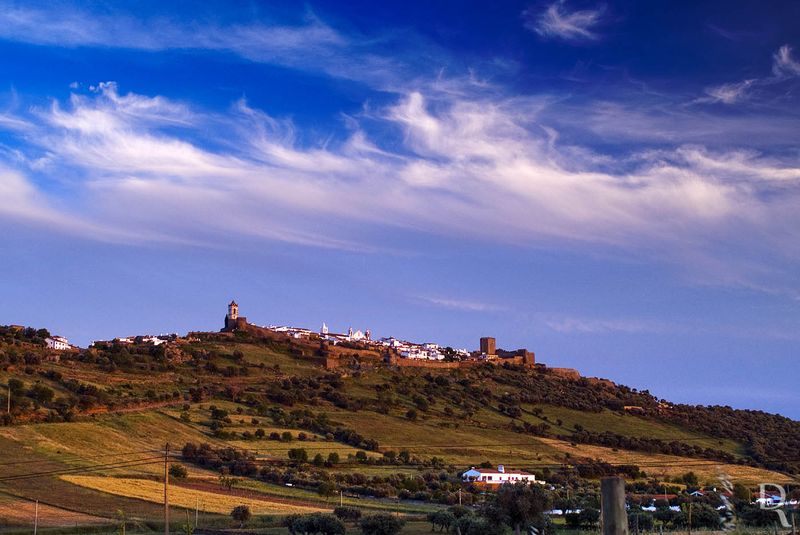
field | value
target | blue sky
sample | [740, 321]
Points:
[615, 186]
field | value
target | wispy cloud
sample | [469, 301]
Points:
[311, 45]
[558, 21]
[459, 304]
[783, 64]
[729, 93]
[577, 325]
[465, 165]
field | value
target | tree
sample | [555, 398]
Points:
[441, 519]
[705, 516]
[472, 525]
[227, 481]
[315, 523]
[639, 521]
[522, 504]
[350, 514]
[589, 517]
[178, 471]
[333, 458]
[41, 394]
[326, 488]
[16, 386]
[381, 524]
[319, 460]
[299, 455]
[690, 479]
[241, 514]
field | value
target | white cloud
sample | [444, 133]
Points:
[729, 93]
[459, 304]
[311, 45]
[472, 167]
[558, 22]
[783, 64]
[577, 325]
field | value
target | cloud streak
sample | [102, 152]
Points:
[311, 46]
[490, 169]
[784, 64]
[557, 21]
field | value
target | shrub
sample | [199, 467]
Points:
[315, 523]
[241, 514]
[178, 471]
[348, 514]
[381, 524]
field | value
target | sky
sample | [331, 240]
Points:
[615, 186]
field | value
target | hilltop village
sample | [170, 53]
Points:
[355, 348]
[340, 348]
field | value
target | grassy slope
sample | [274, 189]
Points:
[462, 443]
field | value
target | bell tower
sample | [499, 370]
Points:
[232, 318]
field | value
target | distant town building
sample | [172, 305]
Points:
[490, 476]
[59, 343]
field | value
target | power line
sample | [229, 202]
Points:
[64, 471]
[75, 456]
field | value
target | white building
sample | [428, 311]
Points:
[59, 343]
[489, 476]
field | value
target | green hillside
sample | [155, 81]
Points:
[86, 432]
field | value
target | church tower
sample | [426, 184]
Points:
[232, 319]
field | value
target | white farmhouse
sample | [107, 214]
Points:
[489, 476]
[59, 343]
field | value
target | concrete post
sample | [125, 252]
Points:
[612, 504]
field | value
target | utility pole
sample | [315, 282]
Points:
[166, 489]
[459, 496]
[341, 498]
[8, 401]
[196, 508]
[690, 518]
[612, 506]
[36, 518]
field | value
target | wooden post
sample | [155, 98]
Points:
[8, 401]
[612, 506]
[166, 489]
[196, 508]
[36, 518]
[341, 498]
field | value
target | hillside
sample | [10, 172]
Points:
[87, 429]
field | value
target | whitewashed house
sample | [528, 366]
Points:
[490, 476]
[59, 343]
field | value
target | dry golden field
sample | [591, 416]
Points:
[211, 502]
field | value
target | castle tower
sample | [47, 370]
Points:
[488, 346]
[233, 311]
